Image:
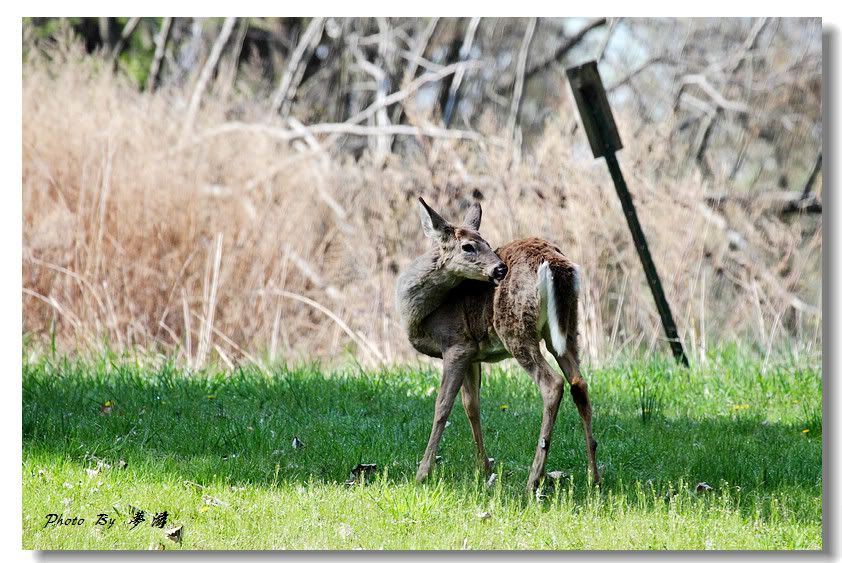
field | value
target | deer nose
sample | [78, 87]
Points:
[500, 272]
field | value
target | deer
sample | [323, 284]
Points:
[468, 304]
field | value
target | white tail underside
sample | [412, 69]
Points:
[549, 309]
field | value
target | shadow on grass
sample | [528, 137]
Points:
[239, 428]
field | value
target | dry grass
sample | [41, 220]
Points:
[239, 245]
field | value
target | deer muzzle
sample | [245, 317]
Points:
[499, 273]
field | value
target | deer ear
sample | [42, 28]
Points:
[473, 216]
[434, 226]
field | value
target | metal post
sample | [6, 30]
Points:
[604, 139]
[646, 259]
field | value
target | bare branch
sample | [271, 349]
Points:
[207, 72]
[386, 59]
[523, 54]
[704, 140]
[107, 32]
[340, 128]
[381, 79]
[228, 76]
[416, 55]
[294, 71]
[411, 88]
[702, 82]
[808, 187]
[121, 43]
[749, 45]
[772, 201]
[464, 53]
[562, 51]
[611, 27]
[415, 58]
[651, 62]
[160, 48]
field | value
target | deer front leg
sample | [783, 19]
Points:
[470, 400]
[455, 365]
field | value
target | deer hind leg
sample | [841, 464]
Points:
[552, 389]
[579, 390]
[560, 336]
[454, 370]
[470, 400]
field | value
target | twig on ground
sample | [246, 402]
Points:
[211, 287]
[333, 316]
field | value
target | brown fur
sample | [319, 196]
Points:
[469, 321]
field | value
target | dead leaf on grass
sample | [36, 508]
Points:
[175, 534]
[361, 473]
[345, 531]
[557, 475]
[213, 501]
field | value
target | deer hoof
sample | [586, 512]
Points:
[422, 474]
[531, 486]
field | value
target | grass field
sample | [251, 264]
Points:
[214, 450]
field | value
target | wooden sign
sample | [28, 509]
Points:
[594, 110]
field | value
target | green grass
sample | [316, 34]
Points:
[190, 439]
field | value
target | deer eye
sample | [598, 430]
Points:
[468, 248]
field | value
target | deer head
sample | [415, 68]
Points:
[461, 250]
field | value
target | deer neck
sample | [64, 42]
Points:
[422, 288]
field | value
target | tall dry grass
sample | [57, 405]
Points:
[231, 244]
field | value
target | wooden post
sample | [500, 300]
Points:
[604, 139]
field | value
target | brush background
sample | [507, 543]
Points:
[214, 237]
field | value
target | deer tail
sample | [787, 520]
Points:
[559, 289]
